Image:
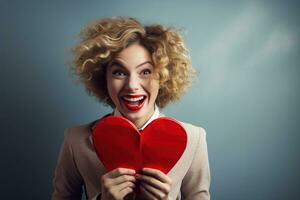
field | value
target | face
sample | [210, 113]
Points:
[131, 84]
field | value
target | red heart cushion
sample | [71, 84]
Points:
[118, 143]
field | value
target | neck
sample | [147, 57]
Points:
[140, 122]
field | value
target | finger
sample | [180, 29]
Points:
[108, 179]
[121, 190]
[123, 178]
[115, 193]
[124, 185]
[154, 191]
[121, 171]
[157, 174]
[126, 188]
[146, 193]
[125, 192]
[153, 182]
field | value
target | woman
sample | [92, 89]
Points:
[136, 70]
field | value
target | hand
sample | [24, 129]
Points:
[154, 184]
[116, 184]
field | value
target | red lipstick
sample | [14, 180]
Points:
[134, 102]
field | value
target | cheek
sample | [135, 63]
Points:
[112, 88]
[154, 87]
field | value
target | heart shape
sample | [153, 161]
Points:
[159, 145]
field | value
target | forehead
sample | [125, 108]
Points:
[134, 54]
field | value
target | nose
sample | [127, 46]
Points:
[133, 83]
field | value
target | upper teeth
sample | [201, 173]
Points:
[133, 99]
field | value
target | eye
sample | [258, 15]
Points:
[118, 73]
[146, 72]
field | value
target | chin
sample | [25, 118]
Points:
[134, 116]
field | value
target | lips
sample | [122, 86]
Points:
[134, 102]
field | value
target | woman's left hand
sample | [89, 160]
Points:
[154, 184]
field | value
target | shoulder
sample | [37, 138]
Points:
[193, 128]
[196, 139]
[196, 134]
[188, 126]
[78, 132]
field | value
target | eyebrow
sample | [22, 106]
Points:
[144, 63]
[118, 62]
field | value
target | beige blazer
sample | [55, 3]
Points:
[78, 166]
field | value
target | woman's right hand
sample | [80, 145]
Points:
[117, 183]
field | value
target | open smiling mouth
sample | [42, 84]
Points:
[134, 102]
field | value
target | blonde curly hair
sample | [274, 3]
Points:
[102, 40]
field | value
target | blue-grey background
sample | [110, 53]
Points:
[246, 95]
